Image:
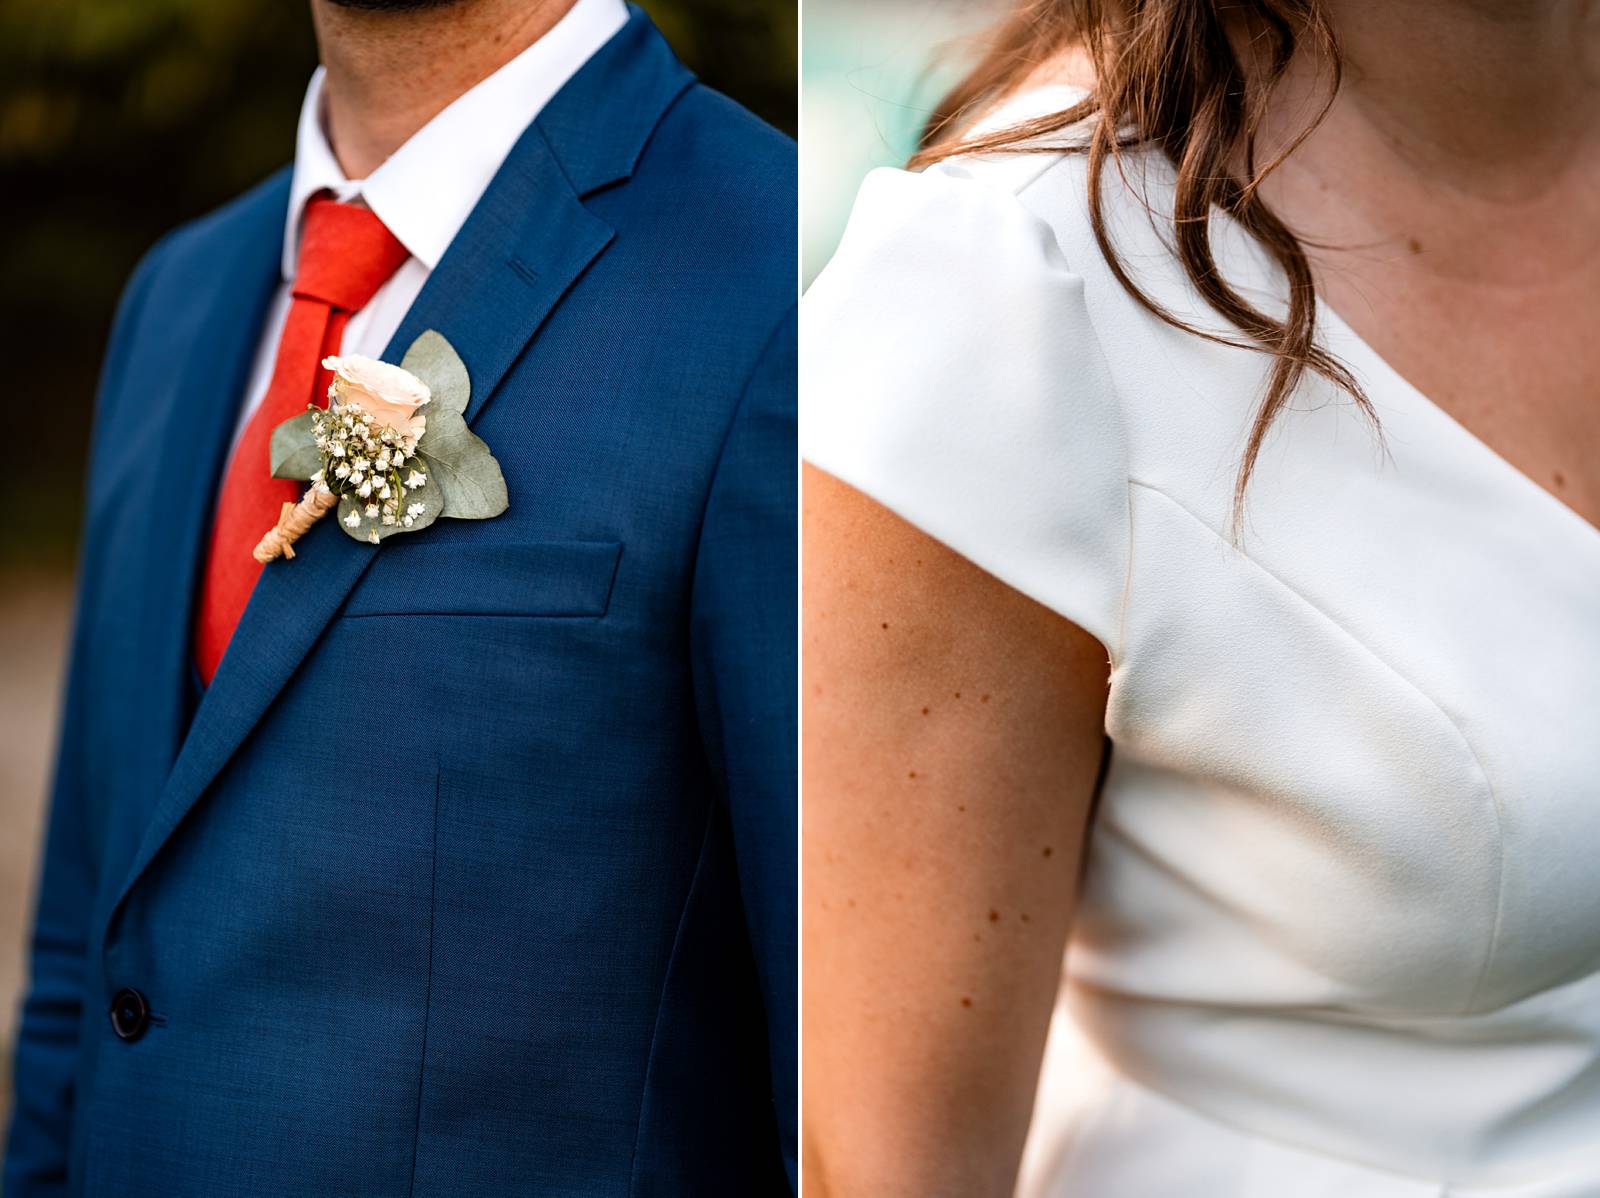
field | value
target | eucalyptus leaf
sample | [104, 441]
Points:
[459, 461]
[434, 360]
[428, 495]
[294, 451]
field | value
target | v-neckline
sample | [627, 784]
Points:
[1329, 317]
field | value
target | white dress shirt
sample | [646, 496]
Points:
[424, 191]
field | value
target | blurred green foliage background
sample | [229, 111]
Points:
[121, 118]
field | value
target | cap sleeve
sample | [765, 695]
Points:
[951, 373]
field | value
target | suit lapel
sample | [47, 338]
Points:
[525, 244]
[216, 355]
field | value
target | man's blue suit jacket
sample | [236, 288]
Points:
[473, 871]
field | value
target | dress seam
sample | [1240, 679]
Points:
[1119, 408]
[1481, 976]
[1054, 159]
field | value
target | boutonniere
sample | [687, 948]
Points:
[392, 450]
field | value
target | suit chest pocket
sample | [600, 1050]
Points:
[550, 579]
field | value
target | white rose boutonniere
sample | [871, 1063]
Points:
[392, 450]
[391, 395]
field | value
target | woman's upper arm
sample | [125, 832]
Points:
[953, 736]
[966, 542]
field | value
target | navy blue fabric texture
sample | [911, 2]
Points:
[473, 871]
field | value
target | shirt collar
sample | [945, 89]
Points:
[425, 190]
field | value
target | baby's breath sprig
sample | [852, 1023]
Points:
[374, 464]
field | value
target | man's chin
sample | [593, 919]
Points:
[395, 5]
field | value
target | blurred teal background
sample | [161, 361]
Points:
[118, 120]
[870, 73]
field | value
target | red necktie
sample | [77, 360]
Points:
[346, 254]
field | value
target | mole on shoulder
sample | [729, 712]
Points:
[1048, 850]
[965, 1001]
[1414, 246]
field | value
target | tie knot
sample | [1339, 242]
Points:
[346, 254]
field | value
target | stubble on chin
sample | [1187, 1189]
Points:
[395, 5]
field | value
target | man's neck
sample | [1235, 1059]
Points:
[388, 73]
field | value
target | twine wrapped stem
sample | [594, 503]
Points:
[294, 522]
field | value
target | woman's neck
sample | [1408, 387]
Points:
[1454, 120]
[1450, 206]
[1474, 95]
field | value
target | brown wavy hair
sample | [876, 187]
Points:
[1169, 74]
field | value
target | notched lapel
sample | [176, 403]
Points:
[212, 367]
[524, 245]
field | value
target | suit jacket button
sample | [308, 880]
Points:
[130, 1014]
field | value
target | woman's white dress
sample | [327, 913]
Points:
[1340, 934]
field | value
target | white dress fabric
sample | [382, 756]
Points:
[1340, 931]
